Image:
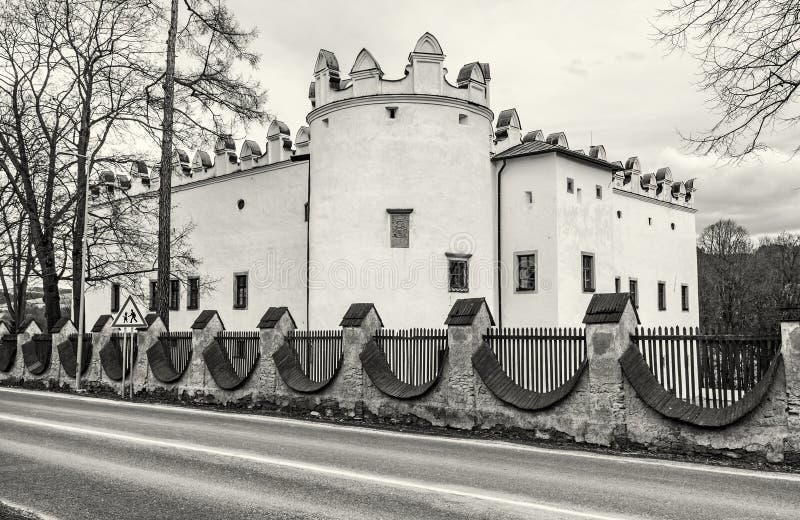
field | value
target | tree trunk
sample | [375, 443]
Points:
[165, 174]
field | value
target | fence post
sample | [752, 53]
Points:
[273, 329]
[204, 331]
[790, 347]
[26, 331]
[467, 321]
[58, 333]
[610, 320]
[143, 378]
[358, 327]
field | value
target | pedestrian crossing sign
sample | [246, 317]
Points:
[129, 316]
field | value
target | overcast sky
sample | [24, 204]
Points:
[589, 69]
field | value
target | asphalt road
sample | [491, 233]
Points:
[82, 458]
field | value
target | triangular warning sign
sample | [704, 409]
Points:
[129, 316]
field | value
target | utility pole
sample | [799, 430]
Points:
[84, 269]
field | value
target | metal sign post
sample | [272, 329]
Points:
[129, 318]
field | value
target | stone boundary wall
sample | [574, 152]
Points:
[603, 409]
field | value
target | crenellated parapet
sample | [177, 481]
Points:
[424, 75]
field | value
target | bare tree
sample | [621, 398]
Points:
[748, 54]
[16, 256]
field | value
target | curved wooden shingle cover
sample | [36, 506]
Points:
[222, 369]
[8, 352]
[657, 397]
[68, 355]
[288, 366]
[158, 356]
[505, 389]
[111, 359]
[37, 353]
[377, 368]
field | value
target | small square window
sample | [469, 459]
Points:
[193, 293]
[570, 185]
[685, 297]
[633, 289]
[587, 272]
[463, 119]
[174, 294]
[458, 274]
[391, 112]
[325, 122]
[526, 272]
[240, 291]
[662, 296]
[598, 191]
[529, 197]
[114, 297]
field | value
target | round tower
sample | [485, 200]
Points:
[401, 190]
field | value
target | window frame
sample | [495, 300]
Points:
[153, 295]
[454, 259]
[593, 275]
[598, 192]
[661, 295]
[685, 297]
[191, 291]
[174, 294]
[633, 291]
[570, 185]
[236, 295]
[617, 284]
[115, 294]
[518, 279]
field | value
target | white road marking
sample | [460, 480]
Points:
[42, 516]
[325, 470]
[619, 459]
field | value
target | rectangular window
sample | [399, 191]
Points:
[193, 293]
[633, 288]
[458, 272]
[570, 185]
[399, 223]
[685, 297]
[662, 296]
[240, 291]
[391, 112]
[114, 297]
[529, 197]
[526, 272]
[598, 191]
[463, 119]
[174, 295]
[587, 272]
[617, 285]
[153, 294]
[305, 212]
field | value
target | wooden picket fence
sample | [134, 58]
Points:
[710, 369]
[242, 349]
[180, 348]
[414, 355]
[319, 352]
[538, 359]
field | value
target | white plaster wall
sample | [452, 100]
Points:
[363, 163]
[584, 225]
[529, 227]
[267, 239]
[653, 253]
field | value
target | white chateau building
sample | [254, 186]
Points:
[410, 193]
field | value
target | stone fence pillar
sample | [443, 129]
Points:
[359, 325]
[143, 378]
[204, 331]
[790, 347]
[468, 320]
[26, 331]
[610, 320]
[273, 329]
